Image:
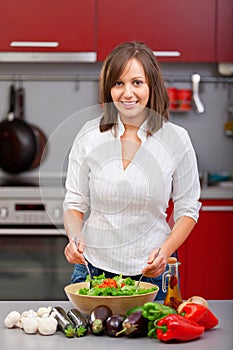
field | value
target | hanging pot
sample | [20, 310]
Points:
[17, 141]
[40, 137]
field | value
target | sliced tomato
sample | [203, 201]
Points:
[109, 282]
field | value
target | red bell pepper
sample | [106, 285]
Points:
[177, 327]
[199, 314]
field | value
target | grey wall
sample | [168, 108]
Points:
[55, 107]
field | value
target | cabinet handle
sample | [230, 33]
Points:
[48, 56]
[34, 44]
[32, 231]
[167, 53]
[217, 208]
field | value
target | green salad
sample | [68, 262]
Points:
[116, 286]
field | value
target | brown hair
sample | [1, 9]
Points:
[112, 68]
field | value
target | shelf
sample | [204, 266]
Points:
[178, 111]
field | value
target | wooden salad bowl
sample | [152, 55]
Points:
[118, 304]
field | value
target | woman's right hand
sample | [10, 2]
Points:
[74, 253]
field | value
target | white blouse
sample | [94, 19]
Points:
[127, 208]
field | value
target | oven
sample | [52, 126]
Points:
[32, 239]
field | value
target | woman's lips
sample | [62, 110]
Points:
[129, 104]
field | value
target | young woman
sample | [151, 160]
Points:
[124, 167]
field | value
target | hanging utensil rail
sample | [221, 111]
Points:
[95, 77]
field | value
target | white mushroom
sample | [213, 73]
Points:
[19, 323]
[25, 314]
[29, 313]
[11, 319]
[44, 310]
[30, 324]
[47, 325]
[30, 321]
[32, 313]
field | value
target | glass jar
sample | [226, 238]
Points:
[173, 296]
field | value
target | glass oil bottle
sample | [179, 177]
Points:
[173, 296]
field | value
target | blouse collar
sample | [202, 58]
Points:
[142, 133]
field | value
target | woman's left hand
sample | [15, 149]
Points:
[157, 262]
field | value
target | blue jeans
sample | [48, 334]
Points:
[80, 273]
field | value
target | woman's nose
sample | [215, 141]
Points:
[128, 91]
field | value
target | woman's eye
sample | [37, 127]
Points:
[138, 82]
[118, 83]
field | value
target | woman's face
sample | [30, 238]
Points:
[130, 93]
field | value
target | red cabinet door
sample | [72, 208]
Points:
[65, 25]
[183, 26]
[224, 31]
[206, 256]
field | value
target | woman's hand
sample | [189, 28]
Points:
[74, 252]
[73, 221]
[157, 262]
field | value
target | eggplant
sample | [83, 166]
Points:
[114, 325]
[80, 321]
[135, 325]
[97, 319]
[64, 322]
[133, 309]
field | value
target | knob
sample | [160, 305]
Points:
[3, 213]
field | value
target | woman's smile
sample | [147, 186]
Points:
[128, 104]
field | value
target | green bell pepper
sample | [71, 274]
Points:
[154, 311]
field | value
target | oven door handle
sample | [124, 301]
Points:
[32, 231]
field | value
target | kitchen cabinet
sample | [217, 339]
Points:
[206, 256]
[184, 29]
[48, 26]
[224, 40]
[70, 30]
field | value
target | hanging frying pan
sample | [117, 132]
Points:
[17, 141]
[40, 137]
